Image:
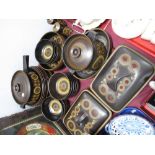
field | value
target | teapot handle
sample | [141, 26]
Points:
[25, 62]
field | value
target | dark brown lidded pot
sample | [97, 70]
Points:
[48, 51]
[84, 54]
[54, 109]
[63, 85]
[29, 87]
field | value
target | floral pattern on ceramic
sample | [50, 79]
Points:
[130, 125]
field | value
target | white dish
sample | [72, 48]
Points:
[129, 28]
[88, 24]
[150, 31]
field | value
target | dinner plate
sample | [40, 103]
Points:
[129, 28]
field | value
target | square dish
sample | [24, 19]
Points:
[122, 77]
[87, 115]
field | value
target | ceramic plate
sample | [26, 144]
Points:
[136, 111]
[129, 28]
[130, 125]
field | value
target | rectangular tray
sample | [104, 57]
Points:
[37, 120]
[117, 89]
[87, 115]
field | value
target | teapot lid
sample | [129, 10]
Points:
[21, 87]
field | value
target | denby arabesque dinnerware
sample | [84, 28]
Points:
[30, 85]
[67, 61]
[123, 76]
[87, 115]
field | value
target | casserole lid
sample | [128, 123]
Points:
[78, 52]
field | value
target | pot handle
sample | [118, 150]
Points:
[25, 62]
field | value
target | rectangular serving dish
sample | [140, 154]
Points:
[121, 78]
[87, 115]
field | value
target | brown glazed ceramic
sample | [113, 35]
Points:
[48, 51]
[60, 27]
[63, 85]
[84, 54]
[87, 115]
[122, 78]
[54, 109]
[29, 87]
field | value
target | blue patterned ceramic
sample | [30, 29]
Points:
[136, 111]
[130, 124]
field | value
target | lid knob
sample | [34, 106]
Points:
[17, 87]
[76, 52]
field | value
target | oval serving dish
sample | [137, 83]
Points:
[130, 124]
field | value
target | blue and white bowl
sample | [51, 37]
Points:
[130, 125]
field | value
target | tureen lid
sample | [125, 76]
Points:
[78, 52]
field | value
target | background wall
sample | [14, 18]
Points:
[17, 37]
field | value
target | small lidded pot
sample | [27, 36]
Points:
[29, 87]
[84, 54]
[48, 51]
[63, 85]
[54, 109]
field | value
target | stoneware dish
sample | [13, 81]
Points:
[54, 109]
[87, 115]
[84, 54]
[122, 77]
